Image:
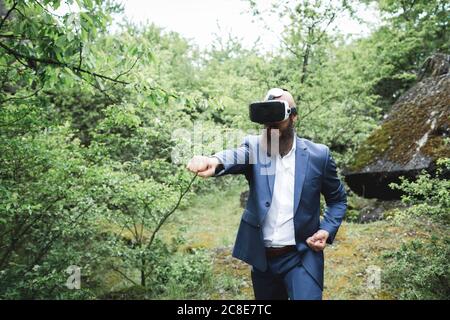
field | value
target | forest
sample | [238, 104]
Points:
[96, 129]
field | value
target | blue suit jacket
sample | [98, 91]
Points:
[315, 173]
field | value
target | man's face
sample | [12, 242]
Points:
[285, 125]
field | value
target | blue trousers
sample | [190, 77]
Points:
[285, 278]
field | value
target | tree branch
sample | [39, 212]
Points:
[20, 98]
[125, 276]
[310, 111]
[57, 63]
[81, 55]
[7, 14]
[131, 68]
[167, 215]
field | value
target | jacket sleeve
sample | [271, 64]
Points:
[233, 161]
[335, 197]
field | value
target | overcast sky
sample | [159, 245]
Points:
[199, 19]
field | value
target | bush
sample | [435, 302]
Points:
[428, 196]
[420, 270]
[187, 274]
[174, 275]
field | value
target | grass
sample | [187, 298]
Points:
[211, 221]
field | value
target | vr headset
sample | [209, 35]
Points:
[271, 110]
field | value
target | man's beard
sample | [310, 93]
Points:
[281, 138]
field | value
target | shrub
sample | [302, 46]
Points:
[187, 274]
[420, 270]
[428, 196]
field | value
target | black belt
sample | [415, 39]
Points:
[272, 252]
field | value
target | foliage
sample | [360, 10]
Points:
[412, 31]
[187, 275]
[47, 212]
[88, 120]
[76, 150]
[428, 196]
[419, 270]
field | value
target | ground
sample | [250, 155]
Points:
[211, 222]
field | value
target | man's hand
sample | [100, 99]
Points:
[318, 240]
[204, 166]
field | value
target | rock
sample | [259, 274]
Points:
[371, 216]
[410, 139]
[376, 210]
[436, 65]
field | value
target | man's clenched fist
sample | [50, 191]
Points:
[318, 240]
[204, 166]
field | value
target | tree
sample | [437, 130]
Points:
[74, 120]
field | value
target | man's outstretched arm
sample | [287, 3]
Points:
[232, 161]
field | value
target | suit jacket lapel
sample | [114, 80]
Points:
[267, 166]
[270, 173]
[301, 166]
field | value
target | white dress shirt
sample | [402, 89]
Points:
[278, 226]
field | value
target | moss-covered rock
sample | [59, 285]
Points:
[412, 137]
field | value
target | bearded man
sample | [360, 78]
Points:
[281, 234]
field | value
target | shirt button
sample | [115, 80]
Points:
[267, 204]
